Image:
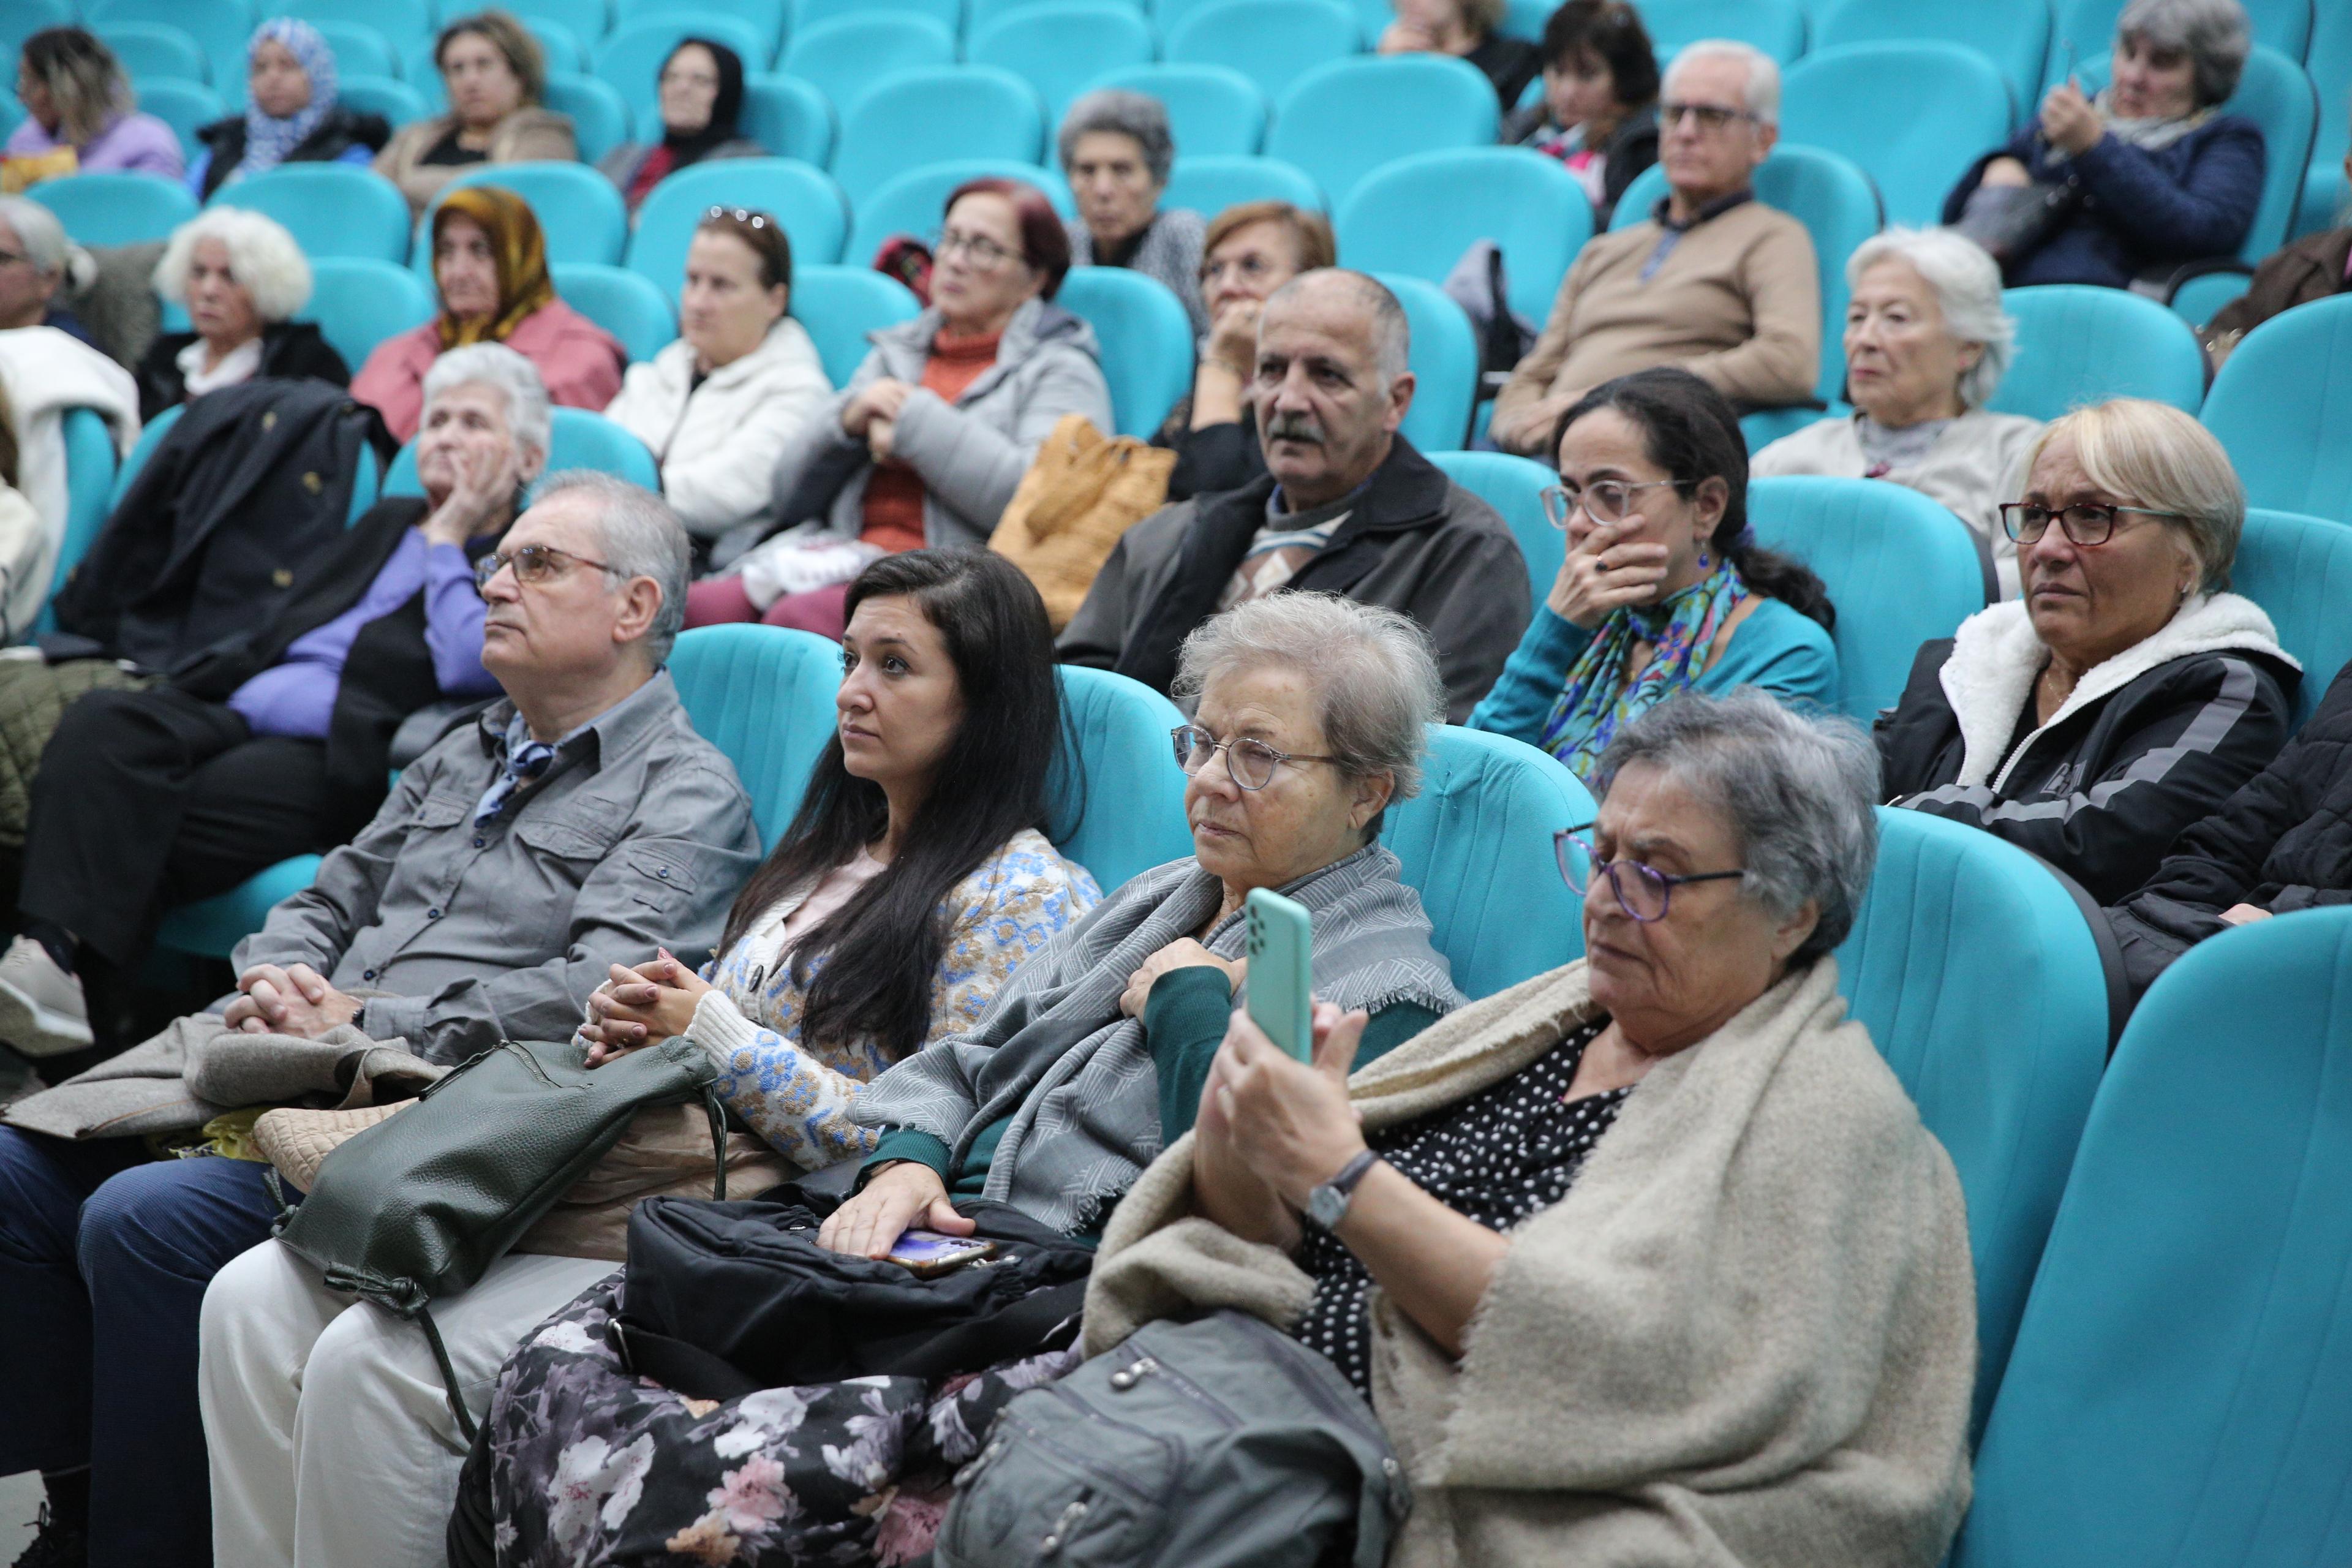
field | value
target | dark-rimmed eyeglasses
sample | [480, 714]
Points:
[748, 216]
[979, 252]
[1710, 116]
[533, 564]
[1643, 892]
[1249, 763]
[2086, 524]
[1607, 502]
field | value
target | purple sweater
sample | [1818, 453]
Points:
[295, 696]
[140, 144]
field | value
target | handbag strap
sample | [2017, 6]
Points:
[717, 1112]
[448, 1372]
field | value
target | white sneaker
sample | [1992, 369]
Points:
[41, 1009]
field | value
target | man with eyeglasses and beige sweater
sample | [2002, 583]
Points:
[1713, 282]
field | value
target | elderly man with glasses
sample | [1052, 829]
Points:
[577, 823]
[1712, 281]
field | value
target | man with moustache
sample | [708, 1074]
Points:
[1346, 507]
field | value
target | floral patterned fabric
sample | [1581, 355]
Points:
[848, 1472]
[1598, 700]
[797, 1097]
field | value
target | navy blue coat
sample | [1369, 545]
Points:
[2140, 210]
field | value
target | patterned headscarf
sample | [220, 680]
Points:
[521, 252]
[1598, 700]
[268, 140]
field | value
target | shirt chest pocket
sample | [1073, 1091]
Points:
[571, 830]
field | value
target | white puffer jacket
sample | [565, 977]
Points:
[717, 444]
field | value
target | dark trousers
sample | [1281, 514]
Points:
[104, 1258]
[148, 799]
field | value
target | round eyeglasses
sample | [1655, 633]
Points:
[1250, 764]
[1644, 892]
[2085, 524]
[1607, 502]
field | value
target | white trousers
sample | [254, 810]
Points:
[326, 1419]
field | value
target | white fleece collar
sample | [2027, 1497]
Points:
[1996, 657]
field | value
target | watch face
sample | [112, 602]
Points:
[1325, 1204]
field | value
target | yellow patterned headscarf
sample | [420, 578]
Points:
[520, 250]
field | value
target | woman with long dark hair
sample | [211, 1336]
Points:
[1664, 586]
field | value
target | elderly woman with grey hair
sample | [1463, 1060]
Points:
[37, 263]
[1925, 344]
[1646, 1259]
[2130, 184]
[2128, 693]
[241, 277]
[1309, 721]
[1115, 151]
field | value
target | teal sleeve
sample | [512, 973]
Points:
[1782, 651]
[906, 1143]
[1391, 1027]
[1532, 678]
[1184, 1023]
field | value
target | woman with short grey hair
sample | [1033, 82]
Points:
[1926, 340]
[1117, 151]
[36, 262]
[2127, 185]
[1515, 1235]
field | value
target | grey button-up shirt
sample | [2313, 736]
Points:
[637, 836]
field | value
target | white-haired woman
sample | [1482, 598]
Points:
[277, 746]
[240, 277]
[1519, 1233]
[1469, 30]
[2152, 174]
[1116, 151]
[1927, 341]
[2129, 692]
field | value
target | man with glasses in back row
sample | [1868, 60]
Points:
[1713, 282]
[576, 824]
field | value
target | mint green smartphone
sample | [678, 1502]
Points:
[1281, 983]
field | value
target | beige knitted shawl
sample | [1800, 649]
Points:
[1747, 1336]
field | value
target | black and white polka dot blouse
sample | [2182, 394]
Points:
[1497, 1157]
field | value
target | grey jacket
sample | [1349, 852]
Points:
[637, 836]
[1414, 542]
[971, 454]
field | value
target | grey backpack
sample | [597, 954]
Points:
[1215, 1443]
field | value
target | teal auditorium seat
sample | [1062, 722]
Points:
[1342, 121]
[91, 487]
[2180, 1390]
[220, 27]
[150, 49]
[764, 18]
[1913, 115]
[1209, 184]
[767, 702]
[2299, 570]
[184, 106]
[1775, 26]
[2014, 34]
[358, 302]
[807, 13]
[580, 211]
[799, 195]
[909, 118]
[1980, 984]
[361, 47]
[210, 928]
[401, 22]
[396, 101]
[1147, 341]
[1129, 814]
[1418, 214]
[630, 59]
[20, 19]
[330, 209]
[839, 306]
[1476, 845]
[2281, 405]
[787, 116]
[588, 20]
[1833, 198]
[2198, 299]
[2078, 345]
[108, 208]
[915, 203]
[564, 49]
[623, 304]
[1900, 569]
[847, 55]
[2326, 199]
[599, 114]
[1212, 109]
[1060, 47]
[1272, 42]
[1514, 487]
[580, 440]
[1444, 362]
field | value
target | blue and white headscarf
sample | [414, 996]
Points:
[268, 140]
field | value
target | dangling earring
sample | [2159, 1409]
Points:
[1705, 563]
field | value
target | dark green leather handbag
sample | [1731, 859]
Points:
[419, 1205]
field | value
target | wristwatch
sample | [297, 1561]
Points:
[1326, 1206]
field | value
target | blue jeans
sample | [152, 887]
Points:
[104, 1258]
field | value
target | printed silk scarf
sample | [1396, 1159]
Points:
[1598, 699]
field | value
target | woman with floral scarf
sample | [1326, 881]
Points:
[291, 115]
[1663, 587]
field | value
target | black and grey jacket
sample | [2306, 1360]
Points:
[2149, 742]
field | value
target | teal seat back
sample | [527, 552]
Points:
[359, 301]
[90, 480]
[623, 304]
[788, 117]
[2180, 1390]
[1476, 844]
[1775, 26]
[1272, 42]
[394, 98]
[599, 114]
[765, 18]
[564, 49]
[1419, 213]
[840, 306]
[1444, 361]
[1980, 982]
[2299, 570]
[2077, 344]
[798, 195]
[807, 13]
[184, 106]
[843, 57]
[1514, 487]
[330, 209]
[763, 695]
[1060, 47]
[1913, 115]
[1900, 569]
[401, 21]
[1146, 338]
[915, 203]
[588, 20]
[1130, 815]
[220, 27]
[2281, 405]
[1212, 109]
[22, 18]
[579, 440]
[361, 47]
[146, 50]
[107, 208]
[1340, 121]
[2014, 34]
[917, 117]
[1208, 184]
[2329, 61]
[580, 211]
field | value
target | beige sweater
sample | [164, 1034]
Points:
[1746, 1337]
[530, 134]
[1738, 301]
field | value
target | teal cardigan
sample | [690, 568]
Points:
[1782, 650]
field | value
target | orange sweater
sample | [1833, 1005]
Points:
[894, 495]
